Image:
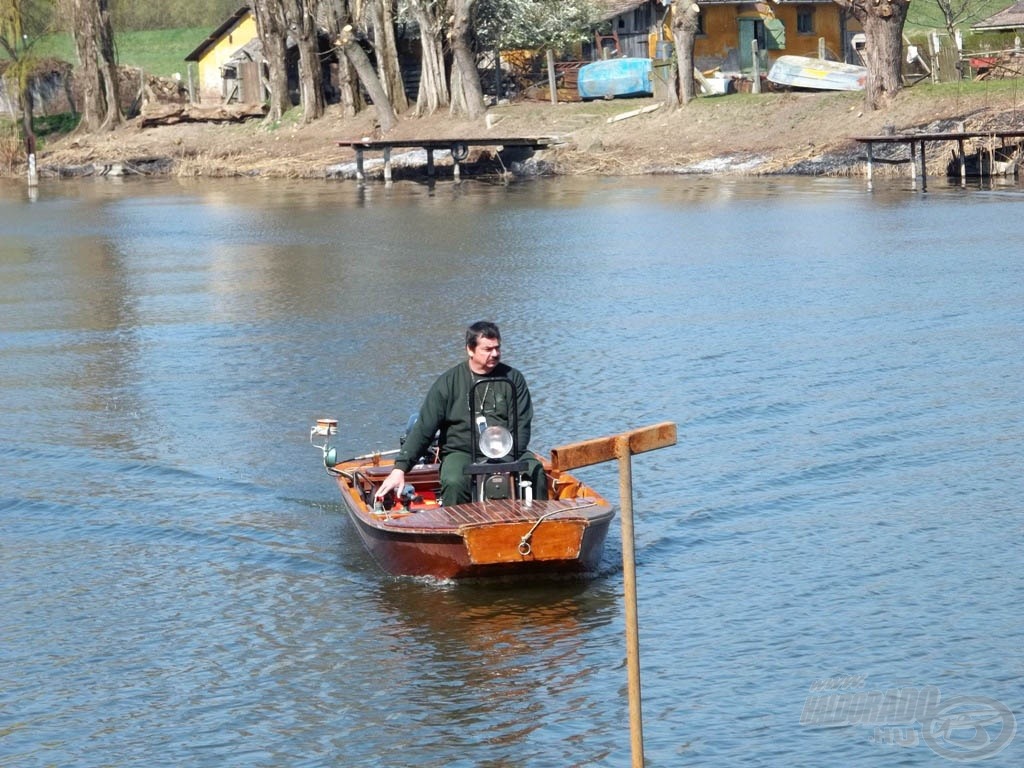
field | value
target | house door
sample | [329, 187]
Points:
[249, 82]
[750, 30]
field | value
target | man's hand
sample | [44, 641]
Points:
[393, 482]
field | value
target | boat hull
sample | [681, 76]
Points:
[817, 74]
[615, 77]
[509, 537]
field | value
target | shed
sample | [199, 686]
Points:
[217, 50]
[1006, 20]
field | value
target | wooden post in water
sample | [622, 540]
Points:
[622, 447]
[636, 724]
[360, 171]
[924, 169]
[963, 161]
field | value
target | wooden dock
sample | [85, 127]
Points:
[917, 142]
[459, 149]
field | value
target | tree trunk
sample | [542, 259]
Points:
[300, 17]
[94, 44]
[883, 51]
[361, 62]
[270, 24]
[336, 16]
[685, 22]
[467, 92]
[433, 90]
[389, 71]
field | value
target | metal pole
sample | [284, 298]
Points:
[636, 728]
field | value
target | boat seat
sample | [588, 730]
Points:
[427, 474]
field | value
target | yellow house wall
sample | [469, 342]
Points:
[721, 29]
[210, 88]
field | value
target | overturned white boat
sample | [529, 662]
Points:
[817, 74]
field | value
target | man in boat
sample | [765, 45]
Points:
[446, 412]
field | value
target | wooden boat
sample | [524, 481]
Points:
[615, 77]
[817, 74]
[564, 533]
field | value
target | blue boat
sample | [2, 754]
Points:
[615, 77]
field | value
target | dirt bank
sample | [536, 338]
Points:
[738, 133]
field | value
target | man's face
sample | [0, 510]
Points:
[485, 356]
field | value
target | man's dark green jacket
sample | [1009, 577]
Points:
[446, 409]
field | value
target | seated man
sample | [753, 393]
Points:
[445, 411]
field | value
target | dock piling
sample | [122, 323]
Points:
[919, 155]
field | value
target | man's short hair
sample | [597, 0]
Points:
[482, 329]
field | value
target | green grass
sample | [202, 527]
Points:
[159, 51]
[924, 15]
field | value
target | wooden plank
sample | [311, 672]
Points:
[633, 113]
[536, 142]
[602, 449]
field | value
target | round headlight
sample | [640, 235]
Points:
[495, 442]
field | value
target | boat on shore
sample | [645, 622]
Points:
[612, 78]
[817, 74]
[416, 535]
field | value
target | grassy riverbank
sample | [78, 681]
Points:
[737, 133]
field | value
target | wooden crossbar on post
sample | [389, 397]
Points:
[621, 447]
[602, 449]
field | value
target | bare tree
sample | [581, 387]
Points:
[336, 15]
[955, 12]
[382, 20]
[273, 32]
[883, 51]
[685, 23]
[97, 72]
[433, 90]
[348, 43]
[467, 92]
[301, 19]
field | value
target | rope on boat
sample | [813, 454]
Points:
[524, 543]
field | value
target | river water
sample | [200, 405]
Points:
[839, 524]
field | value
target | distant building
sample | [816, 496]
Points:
[215, 52]
[1007, 20]
[727, 30]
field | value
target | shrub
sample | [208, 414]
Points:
[12, 149]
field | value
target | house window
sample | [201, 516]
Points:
[805, 21]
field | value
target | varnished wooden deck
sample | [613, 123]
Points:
[462, 516]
